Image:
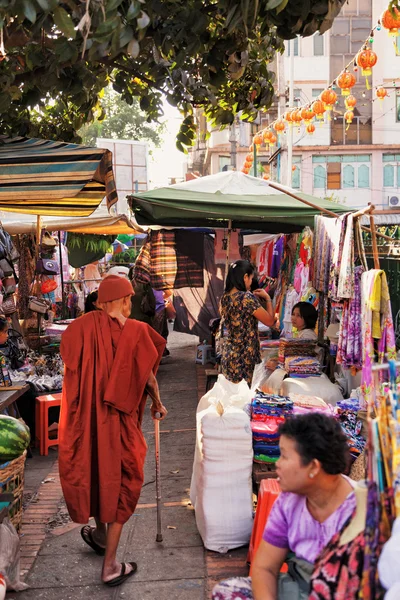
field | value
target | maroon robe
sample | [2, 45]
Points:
[101, 446]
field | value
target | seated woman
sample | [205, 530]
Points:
[240, 311]
[316, 501]
[304, 319]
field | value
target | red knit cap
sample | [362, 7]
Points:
[114, 287]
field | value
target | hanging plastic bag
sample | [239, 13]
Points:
[10, 556]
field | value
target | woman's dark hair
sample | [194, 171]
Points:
[90, 302]
[3, 324]
[236, 273]
[308, 313]
[321, 437]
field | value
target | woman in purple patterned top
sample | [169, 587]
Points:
[315, 502]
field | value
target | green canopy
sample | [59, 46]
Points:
[212, 201]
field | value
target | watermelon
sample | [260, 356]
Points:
[14, 438]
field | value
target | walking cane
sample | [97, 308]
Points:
[159, 537]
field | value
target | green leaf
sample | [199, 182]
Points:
[133, 48]
[125, 36]
[29, 11]
[44, 4]
[133, 10]
[64, 22]
[143, 20]
[282, 6]
[113, 4]
[271, 4]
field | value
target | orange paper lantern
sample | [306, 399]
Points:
[329, 98]
[288, 116]
[249, 158]
[266, 177]
[267, 136]
[350, 101]
[391, 22]
[294, 167]
[307, 114]
[366, 59]
[272, 140]
[258, 139]
[279, 126]
[381, 93]
[296, 116]
[346, 81]
[310, 128]
[349, 116]
[318, 108]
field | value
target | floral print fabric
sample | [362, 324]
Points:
[350, 335]
[241, 349]
[238, 588]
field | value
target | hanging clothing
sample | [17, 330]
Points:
[163, 260]
[196, 307]
[326, 237]
[241, 349]
[26, 269]
[292, 297]
[101, 445]
[349, 352]
[387, 342]
[190, 259]
[277, 256]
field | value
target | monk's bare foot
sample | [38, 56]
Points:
[117, 573]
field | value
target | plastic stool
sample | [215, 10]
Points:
[269, 491]
[43, 403]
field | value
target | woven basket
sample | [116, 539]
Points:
[12, 481]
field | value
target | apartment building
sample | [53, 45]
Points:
[353, 164]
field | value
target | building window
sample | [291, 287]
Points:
[388, 176]
[296, 161]
[348, 176]
[334, 176]
[319, 178]
[224, 163]
[294, 43]
[318, 45]
[363, 176]
[343, 171]
[316, 92]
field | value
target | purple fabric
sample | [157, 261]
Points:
[277, 257]
[159, 296]
[290, 525]
[350, 336]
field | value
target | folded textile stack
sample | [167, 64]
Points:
[302, 366]
[268, 412]
[305, 404]
[347, 415]
[288, 348]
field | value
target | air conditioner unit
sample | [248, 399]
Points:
[394, 201]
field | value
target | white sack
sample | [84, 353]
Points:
[221, 490]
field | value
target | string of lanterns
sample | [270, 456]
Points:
[365, 59]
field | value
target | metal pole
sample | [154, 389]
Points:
[233, 141]
[280, 161]
[62, 277]
[291, 105]
[159, 537]
[228, 248]
[254, 160]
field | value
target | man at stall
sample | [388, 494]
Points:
[110, 365]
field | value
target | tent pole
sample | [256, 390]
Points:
[375, 252]
[61, 276]
[323, 210]
[228, 248]
[38, 235]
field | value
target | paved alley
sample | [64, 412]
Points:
[67, 569]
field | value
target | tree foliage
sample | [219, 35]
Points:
[59, 55]
[121, 121]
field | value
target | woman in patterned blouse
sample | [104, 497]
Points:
[240, 311]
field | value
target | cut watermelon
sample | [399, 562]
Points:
[14, 438]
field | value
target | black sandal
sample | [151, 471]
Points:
[87, 536]
[123, 576]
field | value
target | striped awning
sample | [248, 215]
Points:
[41, 177]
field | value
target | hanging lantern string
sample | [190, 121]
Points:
[349, 64]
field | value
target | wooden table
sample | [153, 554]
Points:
[9, 397]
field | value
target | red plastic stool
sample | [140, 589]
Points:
[43, 403]
[269, 491]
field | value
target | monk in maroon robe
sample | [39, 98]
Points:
[110, 365]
